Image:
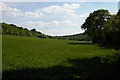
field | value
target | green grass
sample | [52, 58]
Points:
[20, 53]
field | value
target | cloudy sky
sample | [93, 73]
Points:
[52, 18]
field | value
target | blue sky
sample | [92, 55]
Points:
[52, 18]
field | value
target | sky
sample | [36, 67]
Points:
[52, 18]
[59, 0]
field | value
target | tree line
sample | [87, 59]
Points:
[102, 27]
[77, 37]
[11, 29]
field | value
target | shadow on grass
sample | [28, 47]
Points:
[80, 43]
[116, 47]
[96, 68]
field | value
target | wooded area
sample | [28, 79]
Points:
[12, 29]
[102, 27]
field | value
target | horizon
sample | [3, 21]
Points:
[52, 18]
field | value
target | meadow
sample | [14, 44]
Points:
[30, 58]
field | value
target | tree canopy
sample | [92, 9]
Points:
[102, 27]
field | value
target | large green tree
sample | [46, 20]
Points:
[93, 25]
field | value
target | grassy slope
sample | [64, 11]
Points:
[35, 53]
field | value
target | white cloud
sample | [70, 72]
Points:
[53, 23]
[70, 23]
[14, 12]
[65, 9]
[52, 9]
[33, 14]
[6, 8]
[39, 24]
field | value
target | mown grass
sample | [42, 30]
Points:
[52, 59]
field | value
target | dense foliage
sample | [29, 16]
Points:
[12, 29]
[102, 27]
[78, 37]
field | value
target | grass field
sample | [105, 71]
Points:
[29, 58]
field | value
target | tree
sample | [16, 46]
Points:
[34, 32]
[93, 25]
